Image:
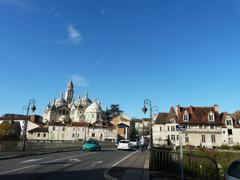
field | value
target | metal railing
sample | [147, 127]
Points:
[195, 166]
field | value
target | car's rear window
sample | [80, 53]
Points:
[234, 170]
[91, 142]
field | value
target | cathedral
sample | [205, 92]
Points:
[68, 110]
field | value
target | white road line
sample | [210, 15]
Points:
[27, 167]
[18, 169]
[31, 160]
[106, 172]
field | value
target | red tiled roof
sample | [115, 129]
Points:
[198, 115]
[39, 129]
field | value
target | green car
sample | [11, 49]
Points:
[91, 145]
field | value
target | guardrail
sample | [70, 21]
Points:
[195, 166]
[9, 145]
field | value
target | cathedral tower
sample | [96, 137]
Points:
[69, 92]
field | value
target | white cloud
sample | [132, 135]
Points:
[74, 36]
[17, 3]
[79, 80]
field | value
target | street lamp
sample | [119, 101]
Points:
[33, 108]
[148, 102]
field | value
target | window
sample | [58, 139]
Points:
[63, 128]
[203, 138]
[211, 116]
[93, 134]
[186, 139]
[60, 111]
[73, 135]
[173, 137]
[92, 115]
[185, 116]
[44, 135]
[223, 132]
[200, 126]
[229, 122]
[53, 128]
[67, 112]
[172, 128]
[38, 135]
[168, 128]
[160, 128]
[230, 132]
[177, 138]
[213, 138]
[64, 112]
[211, 126]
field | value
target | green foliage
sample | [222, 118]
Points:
[113, 111]
[236, 147]
[224, 146]
[7, 132]
[223, 159]
[132, 132]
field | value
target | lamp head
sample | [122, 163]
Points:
[33, 108]
[144, 109]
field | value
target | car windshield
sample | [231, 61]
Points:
[91, 142]
[234, 170]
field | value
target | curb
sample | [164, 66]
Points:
[106, 172]
[35, 153]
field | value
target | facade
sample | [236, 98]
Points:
[33, 121]
[82, 132]
[39, 133]
[231, 129]
[203, 126]
[122, 124]
[66, 109]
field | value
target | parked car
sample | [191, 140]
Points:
[233, 171]
[124, 145]
[91, 145]
[134, 144]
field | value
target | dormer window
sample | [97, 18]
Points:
[185, 116]
[211, 116]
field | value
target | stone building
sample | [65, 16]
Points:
[203, 126]
[66, 109]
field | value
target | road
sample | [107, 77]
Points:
[64, 165]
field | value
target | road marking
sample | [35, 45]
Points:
[94, 165]
[18, 169]
[27, 167]
[31, 160]
[75, 160]
[106, 172]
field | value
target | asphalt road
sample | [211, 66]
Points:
[66, 165]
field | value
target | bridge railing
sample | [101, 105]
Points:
[195, 166]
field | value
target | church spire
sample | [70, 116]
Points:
[69, 92]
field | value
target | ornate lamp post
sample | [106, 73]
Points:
[148, 102]
[33, 108]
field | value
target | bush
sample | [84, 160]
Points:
[224, 146]
[236, 147]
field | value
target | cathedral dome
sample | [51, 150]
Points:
[63, 118]
[61, 101]
[93, 108]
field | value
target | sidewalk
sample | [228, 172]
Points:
[134, 167]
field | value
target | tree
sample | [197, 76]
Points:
[132, 131]
[10, 131]
[113, 111]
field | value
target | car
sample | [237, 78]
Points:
[124, 145]
[134, 144]
[91, 145]
[233, 171]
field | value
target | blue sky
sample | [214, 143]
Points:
[173, 52]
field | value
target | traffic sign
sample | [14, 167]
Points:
[181, 127]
